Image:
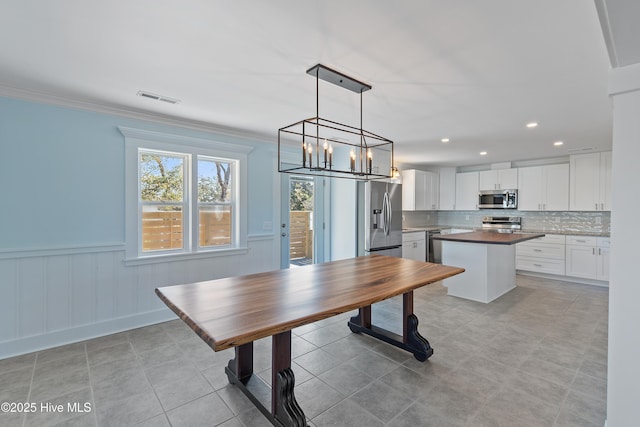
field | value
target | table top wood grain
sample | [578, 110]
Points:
[488, 237]
[237, 310]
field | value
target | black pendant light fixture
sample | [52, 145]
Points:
[329, 148]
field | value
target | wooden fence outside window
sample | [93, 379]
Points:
[163, 230]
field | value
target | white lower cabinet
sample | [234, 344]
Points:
[602, 272]
[585, 257]
[414, 245]
[588, 257]
[542, 255]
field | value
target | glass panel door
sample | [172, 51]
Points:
[301, 219]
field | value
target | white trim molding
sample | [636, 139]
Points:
[52, 297]
[136, 139]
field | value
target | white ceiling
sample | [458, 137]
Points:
[473, 71]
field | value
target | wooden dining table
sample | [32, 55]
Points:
[236, 311]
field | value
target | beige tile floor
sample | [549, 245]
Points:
[535, 357]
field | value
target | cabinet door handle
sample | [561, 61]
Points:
[537, 250]
[544, 206]
[596, 206]
[538, 265]
[594, 250]
[599, 251]
[581, 241]
[601, 206]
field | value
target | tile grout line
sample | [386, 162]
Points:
[93, 399]
[33, 373]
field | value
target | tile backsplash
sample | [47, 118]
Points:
[548, 221]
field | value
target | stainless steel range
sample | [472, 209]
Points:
[502, 224]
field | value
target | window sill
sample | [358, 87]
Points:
[155, 259]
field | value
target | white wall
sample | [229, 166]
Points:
[623, 389]
[343, 219]
[62, 240]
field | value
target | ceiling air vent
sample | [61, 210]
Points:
[157, 97]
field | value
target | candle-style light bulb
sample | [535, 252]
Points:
[304, 154]
[325, 152]
[310, 150]
[370, 159]
[330, 156]
[353, 160]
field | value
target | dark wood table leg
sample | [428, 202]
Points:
[240, 368]
[284, 411]
[411, 340]
[410, 336]
[284, 406]
[362, 320]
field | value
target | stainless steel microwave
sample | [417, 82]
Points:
[498, 199]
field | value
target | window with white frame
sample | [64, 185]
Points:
[189, 195]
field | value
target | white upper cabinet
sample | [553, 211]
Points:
[467, 191]
[499, 179]
[447, 189]
[543, 188]
[605, 180]
[590, 182]
[419, 190]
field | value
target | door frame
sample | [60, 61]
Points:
[320, 227]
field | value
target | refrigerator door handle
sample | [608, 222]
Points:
[389, 213]
[386, 213]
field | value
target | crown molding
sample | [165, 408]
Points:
[115, 110]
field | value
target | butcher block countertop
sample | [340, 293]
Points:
[488, 237]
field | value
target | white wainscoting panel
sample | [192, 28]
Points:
[58, 296]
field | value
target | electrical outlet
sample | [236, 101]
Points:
[598, 220]
[466, 217]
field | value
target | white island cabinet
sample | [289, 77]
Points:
[489, 260]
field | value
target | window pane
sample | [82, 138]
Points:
[161, 177]
[215, 225]
[162, 227]
[214, 180]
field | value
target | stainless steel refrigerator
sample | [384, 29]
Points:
[379, 218]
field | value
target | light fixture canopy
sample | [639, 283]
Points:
[329, 148]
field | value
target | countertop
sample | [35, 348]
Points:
[488, 237]
[526, 230]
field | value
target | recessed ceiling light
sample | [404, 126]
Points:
[558, 143]
[532, 125]
[445, 140]
[483, 153]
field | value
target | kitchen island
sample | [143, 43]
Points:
[489, 260]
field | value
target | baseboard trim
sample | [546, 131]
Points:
[81, 333]
[579, 280]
